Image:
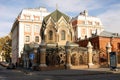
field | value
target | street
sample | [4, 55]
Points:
[88, 74]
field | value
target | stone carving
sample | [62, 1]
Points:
[56, 56]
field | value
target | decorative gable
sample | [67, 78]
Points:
[62, 22]
[50, 22]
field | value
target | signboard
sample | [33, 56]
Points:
[31, 56]
[113, 60]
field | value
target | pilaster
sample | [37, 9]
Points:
[42, 55]
[89, 50]
[108, 50]
[68, 51]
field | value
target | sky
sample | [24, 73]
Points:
[107, 10]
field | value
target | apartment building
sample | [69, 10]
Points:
[26, 30]
[85, 26]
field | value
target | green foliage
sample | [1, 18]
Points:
[5, 45]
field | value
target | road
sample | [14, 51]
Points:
[98, 74]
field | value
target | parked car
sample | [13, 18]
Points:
[11, 66]
[4, 64]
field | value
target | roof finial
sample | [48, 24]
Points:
[56, 6]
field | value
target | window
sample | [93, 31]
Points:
[89, 22]
[97, 23]
[118, 45]
[62, 35]
[36, 18]
[27, 17]
[37, 28]
[83, 31]
[37, 39]
[27, 39]
[27, 28]
[50, 35]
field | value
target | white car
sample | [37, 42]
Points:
[5, 64]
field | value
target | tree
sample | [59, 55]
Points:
[5, 45]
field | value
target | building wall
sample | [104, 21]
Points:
[100, 42]
[31, 17]
[15, 39]
[84, 26]
[115, 43]
[21, 39]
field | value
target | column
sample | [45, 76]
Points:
[42, 55]
[68, 54]
[89, 50]
[108, 50]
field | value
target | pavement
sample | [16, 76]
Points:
[71, 72]
[80, 74]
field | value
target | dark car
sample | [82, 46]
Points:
[11, 66]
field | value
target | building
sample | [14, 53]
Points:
[26, 30]
[85, 26]
[56, 32]
[56, 28]
[100, 42]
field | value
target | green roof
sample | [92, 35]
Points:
[56, 15]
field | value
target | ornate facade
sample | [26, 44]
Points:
[56, 34]
[56, 28]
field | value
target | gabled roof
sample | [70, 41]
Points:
[56, 15]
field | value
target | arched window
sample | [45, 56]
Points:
[62, 35]
[36, 38]
[50, 35]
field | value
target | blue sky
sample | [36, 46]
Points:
[107, 10]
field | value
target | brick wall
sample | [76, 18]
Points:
[100, 42]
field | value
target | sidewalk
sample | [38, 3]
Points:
[71, 72]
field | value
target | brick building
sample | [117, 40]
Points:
[99, 42]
